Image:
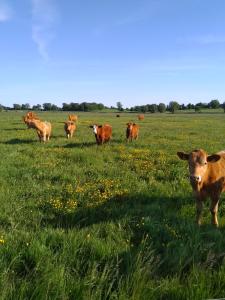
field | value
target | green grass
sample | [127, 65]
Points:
[81, 221]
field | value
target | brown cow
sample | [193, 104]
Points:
[132, 131]
[207, 178]
[28, 117]
[73, 118]
[141, 117]
[43, 129]
[32, 115]
[103, 133]
[69, 127]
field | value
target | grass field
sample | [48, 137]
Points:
[81, 221]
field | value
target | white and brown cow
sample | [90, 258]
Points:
[103, 133]
[207, 178]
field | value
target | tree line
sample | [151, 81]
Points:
[172, 107]
[84, 106]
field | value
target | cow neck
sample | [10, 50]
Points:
[38, 125]
[205, 177]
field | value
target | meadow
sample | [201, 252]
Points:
[81, 221]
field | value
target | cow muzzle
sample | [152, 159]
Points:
[196, 178]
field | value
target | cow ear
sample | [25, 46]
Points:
[91, 126]
[183, 156]
[213, 158]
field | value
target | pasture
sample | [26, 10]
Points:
[81, 221]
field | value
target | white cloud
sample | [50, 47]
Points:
[44, 18]
[5, 11]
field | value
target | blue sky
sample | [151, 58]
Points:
[136, 51]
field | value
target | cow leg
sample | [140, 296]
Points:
[39, 136]
[214, 210]
[199, 207]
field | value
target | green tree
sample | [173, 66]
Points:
[223, 106]
[214, 104]
[47, 106]
[119, 106]
[197, 108]
[152, 108]
[16, 106]
[25, 106]
[36, 107]
[161, 107]
[190, 106]
[173, 106]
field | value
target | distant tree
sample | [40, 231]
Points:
[173, 106]
[25, 106]
[16, 106]
[119, 106]
[65, 107]
[197, 108]
[137, 108]
[143, 108]
[161, 107]
[214, 104]
[1, 107]
[183, 107]
[100, 106]
[55, 107]
[36, 107]
[190, 106]
[75, 106]
[223, 106]
[84, 106]
[47, 106]
[152, 108]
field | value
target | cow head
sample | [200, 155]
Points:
[198, 163]
[130, 126]
[95, 128]
[69, 125]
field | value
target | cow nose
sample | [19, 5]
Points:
[196, 178]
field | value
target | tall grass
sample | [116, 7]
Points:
[81, 221]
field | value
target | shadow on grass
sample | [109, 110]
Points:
[55, 137]
[13, 129]
[132, 206]
[19, 141]
[79, 145]
[17, 123]
[157, 221]
[90, 144]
